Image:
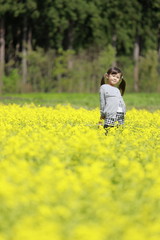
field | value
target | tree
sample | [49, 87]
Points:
[131, 27]
[2, 51]
[25, 11]
[5, 7]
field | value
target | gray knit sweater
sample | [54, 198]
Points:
[111, 101]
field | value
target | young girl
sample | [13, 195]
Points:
[112, 106]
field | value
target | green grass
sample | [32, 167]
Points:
[149, 101]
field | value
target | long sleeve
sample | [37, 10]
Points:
[124, 105]
[102, 102]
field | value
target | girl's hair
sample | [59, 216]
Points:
[115, 70]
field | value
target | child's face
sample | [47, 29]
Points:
[113, 78]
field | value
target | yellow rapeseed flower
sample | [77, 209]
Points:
[63, 178]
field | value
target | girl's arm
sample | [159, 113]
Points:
[102, 103]
[102, 106]
[124, 106]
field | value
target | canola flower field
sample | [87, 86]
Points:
[62, 178]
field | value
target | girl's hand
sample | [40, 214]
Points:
[100, 123]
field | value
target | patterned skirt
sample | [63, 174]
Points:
[110, 122]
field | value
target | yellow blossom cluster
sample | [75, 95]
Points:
[63, 178]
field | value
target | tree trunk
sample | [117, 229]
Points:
[70, 67]
[69, 37]
[24, 55]
[158, 87]
[29, 39]
[2, 52]
[136, 64]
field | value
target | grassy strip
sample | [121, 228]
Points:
[149, 101]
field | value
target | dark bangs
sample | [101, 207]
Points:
[114, 70]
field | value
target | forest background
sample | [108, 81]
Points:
[66, 46]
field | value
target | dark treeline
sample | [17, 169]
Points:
[67, 45]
